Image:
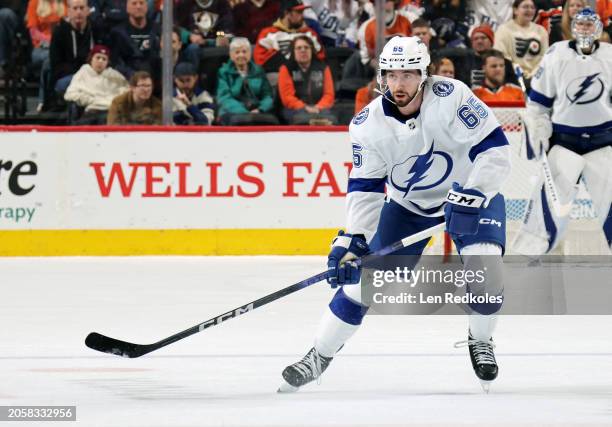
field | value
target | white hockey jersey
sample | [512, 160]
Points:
[453, 137]
[577, 87]
[490, 12]
[336, 17]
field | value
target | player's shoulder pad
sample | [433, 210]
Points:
[443, 87]
[551, 49]
[604, 47]
[560, 49]
[365, 121]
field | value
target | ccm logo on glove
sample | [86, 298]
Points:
[463, 199]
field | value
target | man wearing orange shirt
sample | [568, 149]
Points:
[495, 87]
[395, 25]
[272, 46]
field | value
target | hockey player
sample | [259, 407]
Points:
[433, 143]
[569, 115]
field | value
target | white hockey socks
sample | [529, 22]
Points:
[332, 334]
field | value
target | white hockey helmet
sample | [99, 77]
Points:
[586, 28]
[404, 53]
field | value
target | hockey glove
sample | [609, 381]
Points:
[462, 210]
[538, 130]
[340, 267]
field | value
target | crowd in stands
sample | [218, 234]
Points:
[266, 62]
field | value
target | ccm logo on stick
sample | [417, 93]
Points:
[227, 316]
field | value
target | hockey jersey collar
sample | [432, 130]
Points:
[572, 45]
[391, 110]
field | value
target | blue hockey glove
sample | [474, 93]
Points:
[345, 247]
[462, 210]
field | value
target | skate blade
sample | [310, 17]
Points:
[486, 385]
[285, 387]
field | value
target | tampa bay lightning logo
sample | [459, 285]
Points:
[361, 116]
[584, 90]
[418, 170]
[443, 88]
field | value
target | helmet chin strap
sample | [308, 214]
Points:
[384, 94]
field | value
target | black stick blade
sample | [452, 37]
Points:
[114, 346]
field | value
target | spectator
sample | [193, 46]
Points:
[12, 13]
[305, 85]
[135, 42]
[178, 55]
[395, 25]
[491, 13]
[177, 46]
[42, 17]
[547, 14]
[338, 20]
[191, 104]
[520, 40]
[252, 16]
[362, 65]
[454, 10]
[109, 13]
[412, 9]
[444, 67]
[365, 95]
[137, 106]
[562, 30]
[273, 43]
[468, 62]
[209, 21]
[95, 85]
[495, 87]
[422, 29]
[71, 44]
[243, 92]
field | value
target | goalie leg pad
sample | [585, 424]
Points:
[566, 168]
[542, 228]
[597, 176]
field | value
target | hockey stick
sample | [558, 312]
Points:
[561, 210]
[110, 345]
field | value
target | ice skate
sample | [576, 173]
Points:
[303, 372]
[483, 360]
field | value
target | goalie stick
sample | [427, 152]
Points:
[559, 209]
[117, 347]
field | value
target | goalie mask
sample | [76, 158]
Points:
[586, 28]
[403, 53]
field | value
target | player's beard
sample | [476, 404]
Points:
[404, 100]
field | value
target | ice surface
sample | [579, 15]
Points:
[554, 370]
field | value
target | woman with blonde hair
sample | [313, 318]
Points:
[562, 30]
